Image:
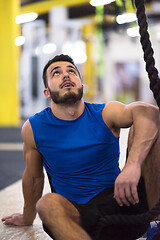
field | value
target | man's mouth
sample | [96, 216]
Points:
[67, 85]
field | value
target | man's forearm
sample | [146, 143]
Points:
[144, 119]
[32, 191]
[145, 132]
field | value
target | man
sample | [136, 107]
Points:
[78, 144]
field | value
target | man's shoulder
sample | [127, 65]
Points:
[95, 106]
[27, 133]
[40, 114]
[35, 123]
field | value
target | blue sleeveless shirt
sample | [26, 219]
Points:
[81, 155]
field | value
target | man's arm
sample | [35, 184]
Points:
[32, 181]
[145, 120]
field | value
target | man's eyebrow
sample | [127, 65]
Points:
[54, 69]
[69, 66]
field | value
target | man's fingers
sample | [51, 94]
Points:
[129, 194]
[126, 185]
[8, 221]
[4, 218]
[135, 193]
[116, 195]
[10, 216]
[120, 197]
[126, 195]
[14, 219]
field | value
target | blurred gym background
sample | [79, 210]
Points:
[100, 35]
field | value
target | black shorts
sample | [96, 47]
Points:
[104, 204]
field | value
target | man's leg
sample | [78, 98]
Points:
[61, 218]
[150, 171]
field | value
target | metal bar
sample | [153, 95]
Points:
[45, 6]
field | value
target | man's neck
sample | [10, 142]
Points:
[68, 112]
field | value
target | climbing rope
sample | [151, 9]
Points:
[126, 220]
[147, 49]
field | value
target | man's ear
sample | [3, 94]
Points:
[84, 87]
[47, 93]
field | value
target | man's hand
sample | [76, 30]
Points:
[16, 219]
[125, 189]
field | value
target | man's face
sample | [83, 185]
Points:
[64, 83]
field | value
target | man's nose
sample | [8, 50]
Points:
[66, 75]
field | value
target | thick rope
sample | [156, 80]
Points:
[126, 220]
[148, 51]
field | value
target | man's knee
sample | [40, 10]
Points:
[57, 206]
[50, 201]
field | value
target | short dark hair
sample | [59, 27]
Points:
[57, 58]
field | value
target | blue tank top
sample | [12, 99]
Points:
[81, 155]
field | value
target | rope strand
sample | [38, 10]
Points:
[126, 220]
[147, 49]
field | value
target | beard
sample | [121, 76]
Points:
[69, 97]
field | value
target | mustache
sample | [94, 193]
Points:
[68, 81]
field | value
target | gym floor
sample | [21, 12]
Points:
[11, 198]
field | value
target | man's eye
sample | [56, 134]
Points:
[71, 71]
[56, 73]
